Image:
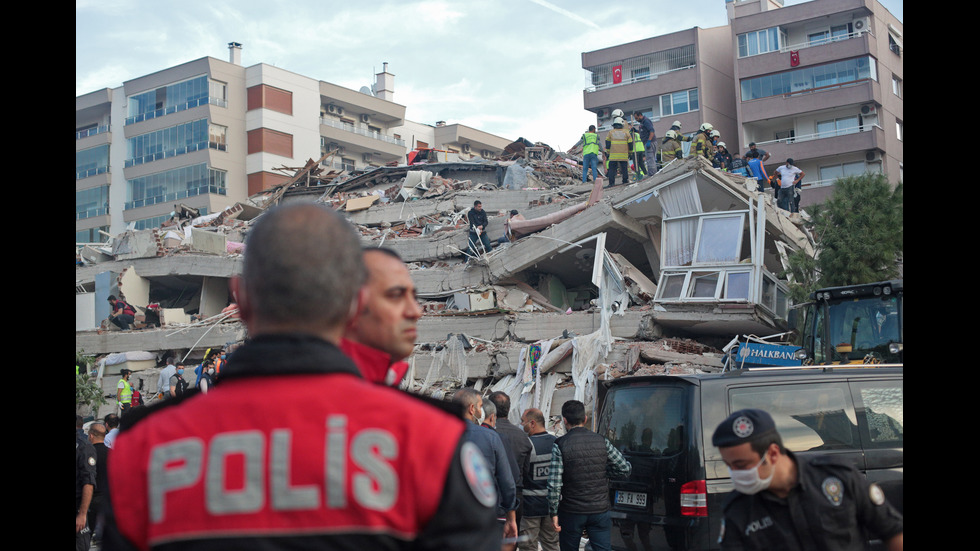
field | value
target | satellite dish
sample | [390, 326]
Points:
[366, 90]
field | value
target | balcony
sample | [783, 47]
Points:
[91, 131]
[361, 140]
[816, 53]
[810, 100]
[176, 109]
[825, 144]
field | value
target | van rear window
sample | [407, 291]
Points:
[813, 416]
[646, 419]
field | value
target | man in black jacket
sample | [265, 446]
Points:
[581, 464]
[478, 229]
[516, 442]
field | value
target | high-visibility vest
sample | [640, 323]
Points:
[127, 392]
[591, 140]
[618, 142]
[638, 146]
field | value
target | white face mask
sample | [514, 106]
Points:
[481, 418]
[747, 481]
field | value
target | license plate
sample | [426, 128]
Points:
[636, 499]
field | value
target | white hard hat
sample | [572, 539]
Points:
[671, 134]
[676, 123]
[618, 120]
[715, 133]
[722, 144]
[706, 127]
[617, 113]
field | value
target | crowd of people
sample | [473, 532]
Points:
[632, 147]
[304, 440]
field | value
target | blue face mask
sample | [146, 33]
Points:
[180, 371]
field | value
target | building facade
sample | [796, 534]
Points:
[820, 82]
[209, 133]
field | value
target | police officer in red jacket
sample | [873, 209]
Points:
[295, 449]
[383, 331]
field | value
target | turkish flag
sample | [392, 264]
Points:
[794, 58]
[617, 74]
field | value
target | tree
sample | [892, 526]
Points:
[87, 390]
[859, 234]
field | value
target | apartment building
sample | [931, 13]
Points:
[820, 82]
[684, 76]
[209, 133]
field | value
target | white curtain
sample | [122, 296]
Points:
[679, 199]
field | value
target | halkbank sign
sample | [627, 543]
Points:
[754, 354]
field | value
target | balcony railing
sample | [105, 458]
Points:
[361, 132]
[638, 78]
[818, 135]
[174, 196]
[80, 174]
[173, 153]
[821, 42]
[91, 132]
[176, 109]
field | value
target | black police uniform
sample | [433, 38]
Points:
[85, 474]
[832, 506]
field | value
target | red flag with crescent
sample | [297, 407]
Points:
[794, 59]
[617, 74]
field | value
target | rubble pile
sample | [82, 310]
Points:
[568, 298]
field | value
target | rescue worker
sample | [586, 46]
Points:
[590, 153]
[676, 127]
[785, 501]
[619, 145]
[701, 143]
[123, 314]
[723, 159]
[294, 449]
[383, 332]
[639, 152]
[124, 391]
[670, 149]
[648, 139]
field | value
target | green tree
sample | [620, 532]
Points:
[859, 235]
[87, 390]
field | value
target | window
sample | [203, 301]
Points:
[647, 419]
[169, 142]
[814, 39]
[899, 129]
[896, 86]
[175, 184]
[642, 73]
[89, 162]
[837, 127]
[719, 240]
[808, 78]
[883, 412]
[91, 202]
[833, 172]
[173, 98]
[808, 416]
[679, 102]
[760, 42]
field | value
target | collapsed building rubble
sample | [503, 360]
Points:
[647, 278]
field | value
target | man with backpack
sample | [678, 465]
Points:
[122, 314]
[177, 383]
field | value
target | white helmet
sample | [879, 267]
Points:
[676, 123]
[617, 114]
[722, 144]
[671, 134]
[618, 120]
[715, 133]
[706, 127]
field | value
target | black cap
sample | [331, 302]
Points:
[744, 425]
[125, 371]
[513, 212]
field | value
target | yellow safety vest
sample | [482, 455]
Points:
[638, 143]
[591, 141]
[127, 392]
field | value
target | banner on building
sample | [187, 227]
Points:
[617, 74]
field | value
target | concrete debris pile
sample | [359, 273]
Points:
[583, 284]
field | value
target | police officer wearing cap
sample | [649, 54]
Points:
[791, 502]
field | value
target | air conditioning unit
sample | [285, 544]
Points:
[332, 146]
[340, 150]
[340, 110]
[602, 113]
[367, 157]
[365, 118]
[332, 109]
[466, 148]
[486, 154]
[861, 25]
[872, 155]
[868, 109]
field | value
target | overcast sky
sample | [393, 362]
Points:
[509, 67]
